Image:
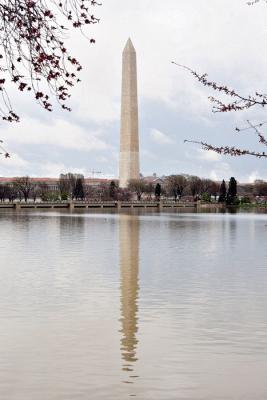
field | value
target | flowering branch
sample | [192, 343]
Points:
[261, 137]
[239, 102]
[33, 55]
[226, 150]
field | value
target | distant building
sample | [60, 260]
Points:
[154, 180]
[97, 182]
[52, 184]
[70, 175]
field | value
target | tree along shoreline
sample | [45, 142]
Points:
[177, 188]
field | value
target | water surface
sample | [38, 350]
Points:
[153, 306]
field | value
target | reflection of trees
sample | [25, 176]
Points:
[129, 267]
[72, 229]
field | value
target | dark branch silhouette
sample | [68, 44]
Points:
[251, 3]
[3, 150]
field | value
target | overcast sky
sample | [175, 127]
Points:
[225, 38]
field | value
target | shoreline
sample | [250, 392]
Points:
[118, 205]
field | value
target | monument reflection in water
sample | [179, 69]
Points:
[129, 269]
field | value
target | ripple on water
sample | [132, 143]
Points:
[155, 306]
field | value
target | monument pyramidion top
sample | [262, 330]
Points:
[129, 47]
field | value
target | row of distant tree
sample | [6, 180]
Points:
[182, 186]
[176, 187]
[25, 188]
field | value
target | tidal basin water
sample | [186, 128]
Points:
[169, 306]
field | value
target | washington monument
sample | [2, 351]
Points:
[129, 137]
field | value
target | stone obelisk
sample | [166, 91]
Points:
[129, 137]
